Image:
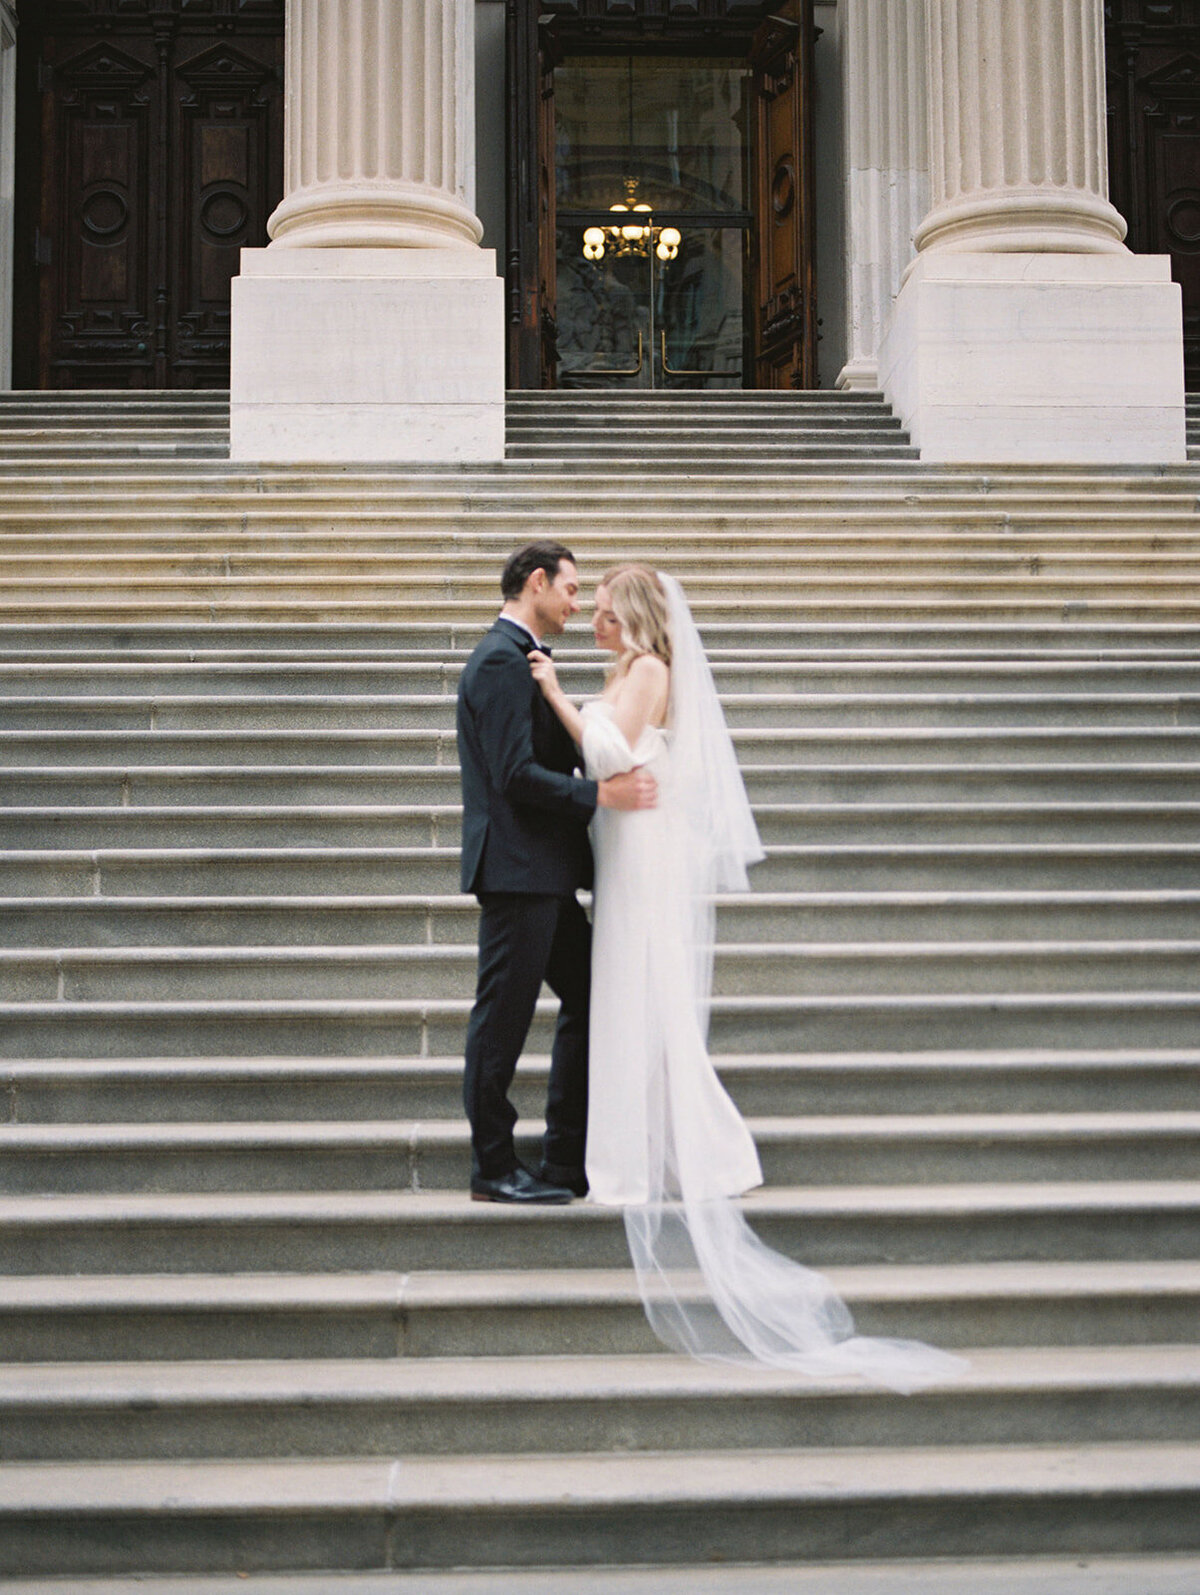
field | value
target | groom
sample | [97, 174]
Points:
[525, 852]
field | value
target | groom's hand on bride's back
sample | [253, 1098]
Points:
[632, 789]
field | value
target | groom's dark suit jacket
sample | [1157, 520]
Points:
[525, 815]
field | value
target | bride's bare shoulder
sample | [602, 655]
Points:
[648, 670]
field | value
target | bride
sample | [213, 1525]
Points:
[665, 1141]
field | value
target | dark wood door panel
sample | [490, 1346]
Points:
[161, 156]
[95, 227]
[1153, 80]
[225, 142]
[786, 304]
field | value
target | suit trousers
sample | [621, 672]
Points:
[523, 940]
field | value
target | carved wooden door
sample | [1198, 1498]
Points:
[786, 324]
[161, 156]
[1154, 141]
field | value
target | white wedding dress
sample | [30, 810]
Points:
[665, 1141]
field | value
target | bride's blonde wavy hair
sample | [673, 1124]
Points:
[639, 601]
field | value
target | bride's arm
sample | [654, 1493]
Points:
[642, 697]
[546, 677]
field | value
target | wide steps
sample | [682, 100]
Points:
[835, 1226]
[756, 969]
[82, 1091]
[252, 1324]
[389, 1155]
[559, 1312]
[437, 824]
[579, 1510]
[590, 1406]
[743, 711]
[1168, 1574]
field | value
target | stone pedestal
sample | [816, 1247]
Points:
[1025, 331]
[1039, 358]
[372, 328]
[368, 354]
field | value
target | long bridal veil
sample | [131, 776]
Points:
[711, 1288]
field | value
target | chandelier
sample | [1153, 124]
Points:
[635, 237]
[631, 237]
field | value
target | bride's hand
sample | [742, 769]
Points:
[544, 673]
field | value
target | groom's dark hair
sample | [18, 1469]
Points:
[519, 567]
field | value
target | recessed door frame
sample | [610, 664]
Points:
[538, 38]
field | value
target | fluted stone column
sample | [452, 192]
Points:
[1018, 157]
[381, 125]
[1025, 331]
[372, 326]
[887, 166]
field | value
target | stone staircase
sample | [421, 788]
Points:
[250, 1323]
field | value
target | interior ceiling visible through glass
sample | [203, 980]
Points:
[677, 124]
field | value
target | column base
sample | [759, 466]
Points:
[380, 355]
[858, 376]
[1039, 359]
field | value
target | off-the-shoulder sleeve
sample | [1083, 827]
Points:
[605, 750]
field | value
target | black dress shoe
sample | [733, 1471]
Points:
[519, 1186]
[575, 1180]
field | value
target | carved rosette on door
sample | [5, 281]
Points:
[161, 131]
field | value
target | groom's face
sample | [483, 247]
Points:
[558, 600]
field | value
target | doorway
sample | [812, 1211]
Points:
[661, 228]
[150, 144]
[652, 199]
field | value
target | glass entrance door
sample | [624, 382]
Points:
[640, 322]
[651, 187]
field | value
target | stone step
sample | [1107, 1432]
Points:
[498, 1407]
[121, 783]
[847, 443]
[1170, 596]
[334, 1232]
[139, 435]
[150, 1090]
[840, 867]
[918, 744]
[83, 446]
[163, 1317]
[200, 920]
[179, 504]
[105, 678]
[1108, 572]
[724, 423]
[765, 437]
[1169, 1574]
[44, 973]
[414, 825]
[764, 710]
[460, 619]
[1076, 640]
[434, 1155]
[1122, 1018]
[76, 1518]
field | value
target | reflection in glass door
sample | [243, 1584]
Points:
[652, 177]
[637, 321]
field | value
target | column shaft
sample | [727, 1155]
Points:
[379, 125]
[887, 177]
[1017, 128]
